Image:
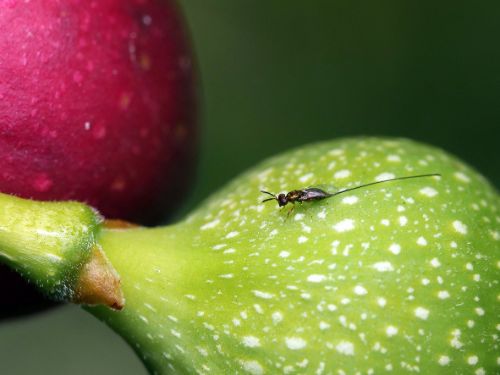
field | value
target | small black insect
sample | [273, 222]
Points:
[316, 194]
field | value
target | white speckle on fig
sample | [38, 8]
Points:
[345, 348]
[251, 341]
[462, 177]
[421, 241]
[444, 360]
[210, 225]
[350, 200]
[385, 176]
[391, 331]
[344, 225]
[295, 343]
[252, 367]
[302, 239]
[383, 266]
[316, 278]
[263, 295]
[344, 173]
[305, 178]
[395, 248]
[394, 158]
[421, 313]
[428, 192]
[360, 290]
[460, 227]
[232, 234]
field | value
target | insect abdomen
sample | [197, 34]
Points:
[311, 194]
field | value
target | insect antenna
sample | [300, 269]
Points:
[389, 180]
[268, 199]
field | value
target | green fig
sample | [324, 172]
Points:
[400, 276]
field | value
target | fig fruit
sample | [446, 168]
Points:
[400, 276]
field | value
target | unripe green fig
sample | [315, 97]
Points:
[400, 276]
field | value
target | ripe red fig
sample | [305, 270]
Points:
[97, 104]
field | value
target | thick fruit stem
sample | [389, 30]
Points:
[53, 245]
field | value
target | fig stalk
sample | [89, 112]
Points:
[53, 245]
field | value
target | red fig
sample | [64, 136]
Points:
[97, 104]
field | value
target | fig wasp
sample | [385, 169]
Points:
[316, 194]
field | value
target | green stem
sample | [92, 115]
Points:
[53, 245]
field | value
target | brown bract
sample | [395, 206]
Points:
[99, 283]
[118, 224]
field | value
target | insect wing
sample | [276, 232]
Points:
[327, 188]
[314, 193]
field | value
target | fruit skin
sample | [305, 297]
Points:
[97, 104]
[400, 277]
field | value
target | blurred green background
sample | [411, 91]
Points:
[278, 74]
